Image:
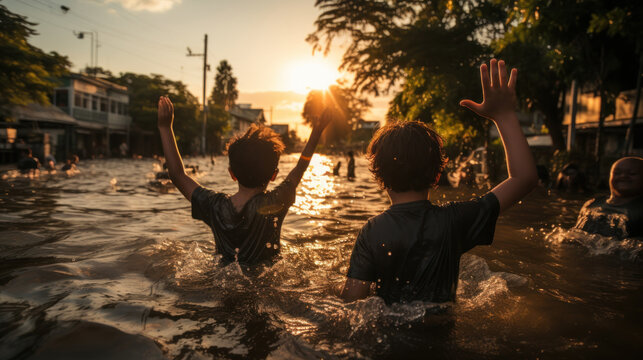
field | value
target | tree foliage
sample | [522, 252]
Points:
[425, 51]
[144, 92]
[428, 52]
[225, 91]
[554, 43]
[27, 73]
[344, 102]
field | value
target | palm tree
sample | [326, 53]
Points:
[225, 91]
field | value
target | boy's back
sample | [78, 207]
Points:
[247, 224]
[252, 234]
[412, 250]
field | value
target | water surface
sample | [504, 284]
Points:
[105, 264]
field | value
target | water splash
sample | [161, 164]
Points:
[627, 249]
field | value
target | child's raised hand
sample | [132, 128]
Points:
[329, 115]
[165, 112]
[498, 91]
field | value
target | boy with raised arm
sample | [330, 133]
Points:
[412, 250]
[246, 225]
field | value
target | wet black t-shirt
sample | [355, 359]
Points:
[623, 221]
[248, 236]
[412, 250]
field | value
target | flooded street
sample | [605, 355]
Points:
[108, 261]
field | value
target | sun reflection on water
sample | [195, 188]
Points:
[316, 185]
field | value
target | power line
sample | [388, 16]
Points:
[127, 36]
[178, 70]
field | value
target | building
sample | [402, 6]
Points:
[100, 109]
[367, 124]
[45, 129]
[363, 131]
[281, 129]
[242, 116]
[588, 105]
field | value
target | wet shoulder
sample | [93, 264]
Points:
[277, 200]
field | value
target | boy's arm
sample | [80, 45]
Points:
[175, 169]
[304, 160]
[499, 101]
[355, 289]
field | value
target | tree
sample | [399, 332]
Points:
[431, 49]
[344, 101]
[144, 92]
[590, 41]
[225, 91]
[27, 74]
[98, 72]
[217, 123]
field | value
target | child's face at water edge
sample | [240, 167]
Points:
[626, 178]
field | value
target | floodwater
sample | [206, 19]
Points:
[102, 264]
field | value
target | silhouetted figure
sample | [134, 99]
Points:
[336, 168]
[50, 162]
[351, 166]
[27, 163]
[543, 175]
[571, 178]
[123, 148]
[71, 163]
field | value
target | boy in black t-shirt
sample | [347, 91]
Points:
[412, 250]
[246, 225]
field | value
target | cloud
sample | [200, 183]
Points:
[146, 5]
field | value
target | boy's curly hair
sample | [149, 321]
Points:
[406, 156]
[254, 156]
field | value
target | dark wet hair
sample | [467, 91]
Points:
[406, 156]
[254, 156]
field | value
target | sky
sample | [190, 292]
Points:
[263, 40]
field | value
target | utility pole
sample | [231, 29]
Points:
[206, 67]
[93, 59]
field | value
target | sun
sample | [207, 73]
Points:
[313, 74]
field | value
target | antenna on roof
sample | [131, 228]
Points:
[189, 51]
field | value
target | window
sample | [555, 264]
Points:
[78, 99]
[120, 108]
[94, 103]
[125, 109]
[62, 98]
[112, 107]
[86, 101]
[103, 104]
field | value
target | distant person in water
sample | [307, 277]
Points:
[247, 224]
[50, 162]
[71, 163]
[412, 250]
[27, 162]
[570, 178]
[620, 214]
[350, 173]
[336, 168]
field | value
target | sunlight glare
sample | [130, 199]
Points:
[315, 74]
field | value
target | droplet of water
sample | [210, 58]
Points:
[390, 253]
[268, 245]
